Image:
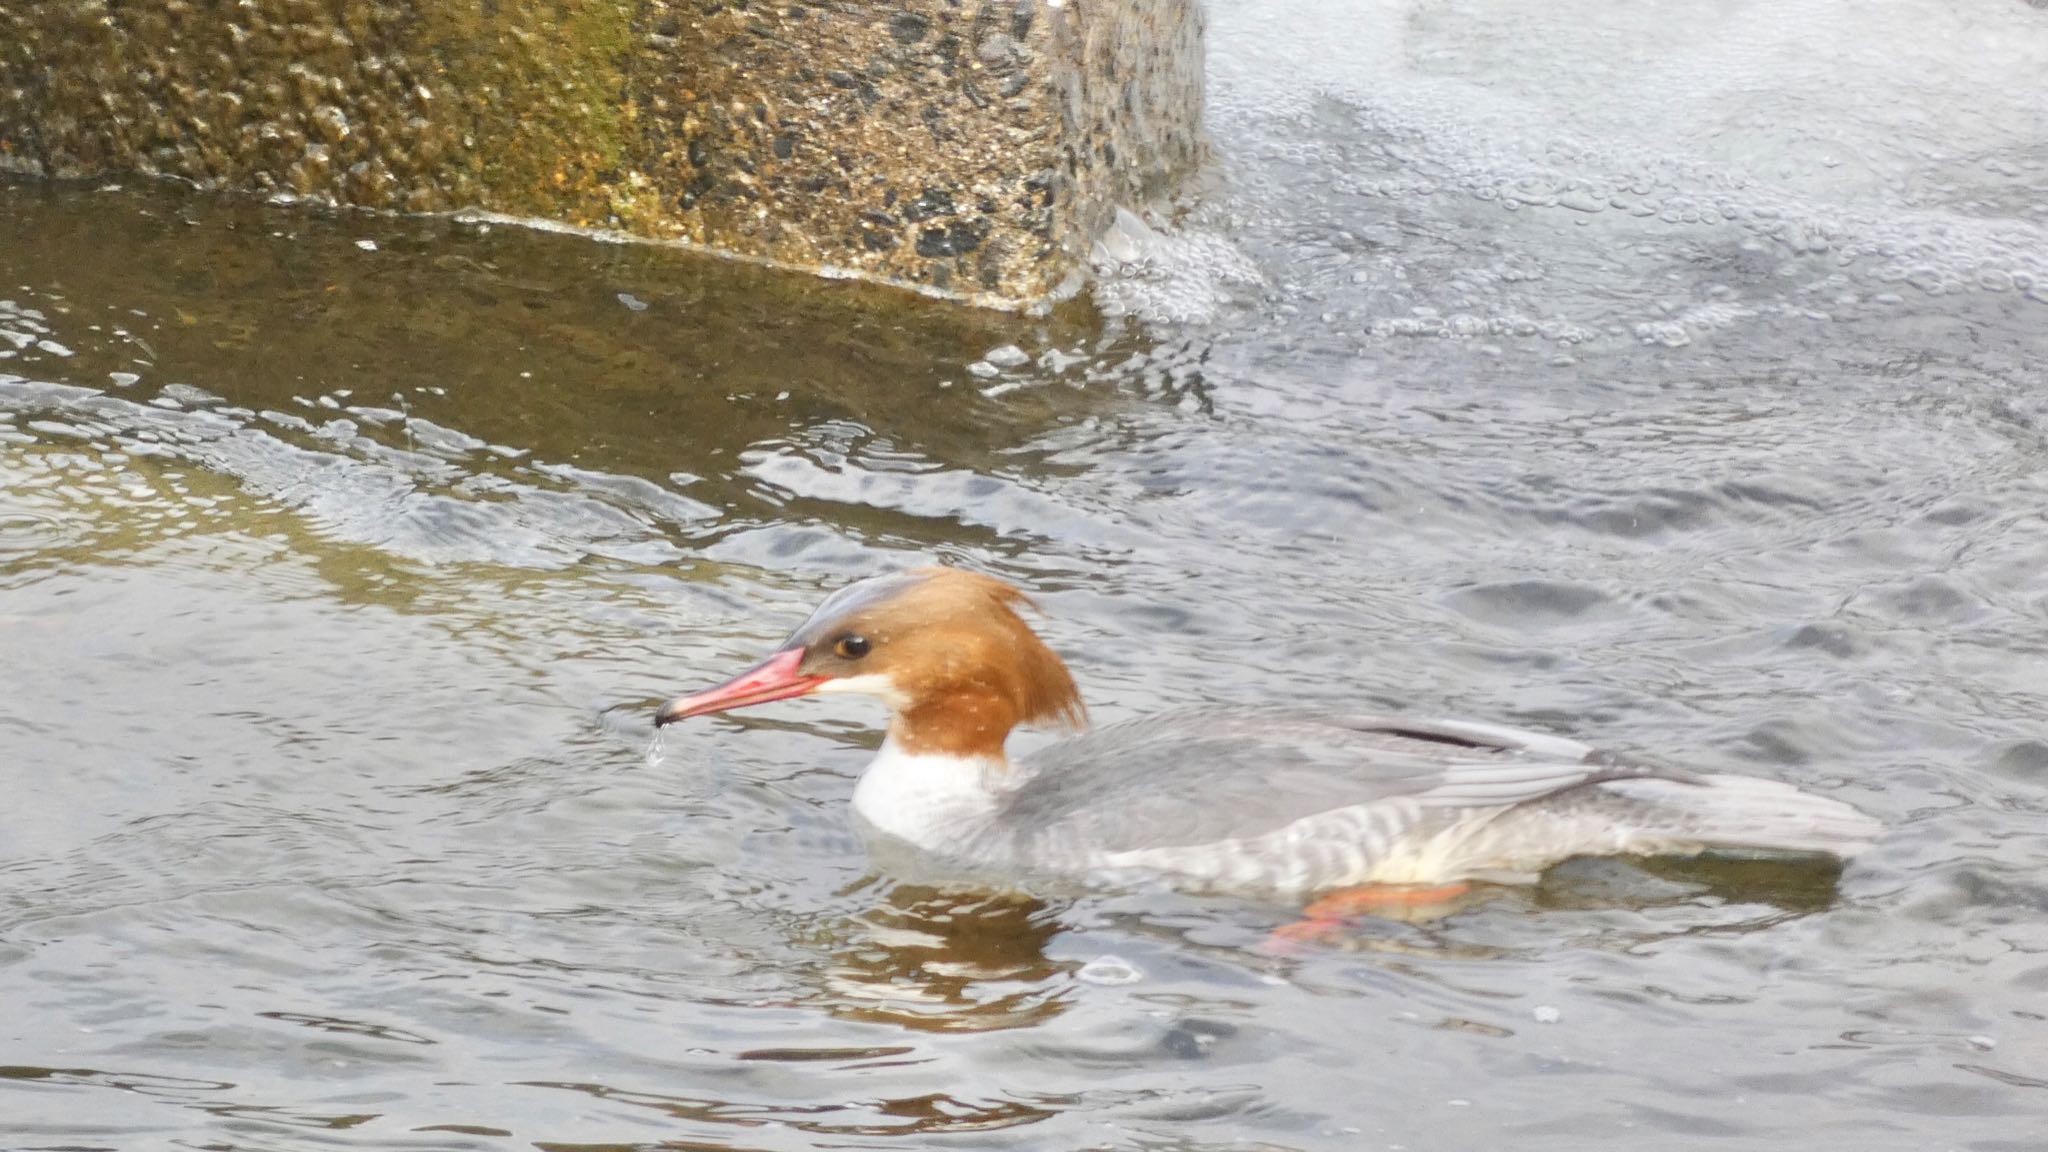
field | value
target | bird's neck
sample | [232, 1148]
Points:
[965, 725]
[934, 799]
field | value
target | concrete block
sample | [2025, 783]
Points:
[968, 148]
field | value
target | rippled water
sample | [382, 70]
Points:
[1665, 376]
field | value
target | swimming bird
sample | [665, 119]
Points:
[1284, 801]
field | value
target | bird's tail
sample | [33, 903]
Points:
[1735, 814]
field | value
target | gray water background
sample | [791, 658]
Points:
[1667, 376]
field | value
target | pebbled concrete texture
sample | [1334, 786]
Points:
[970, 148]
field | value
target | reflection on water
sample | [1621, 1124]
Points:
[931, 1115]
[938, 962]
[1667, 378]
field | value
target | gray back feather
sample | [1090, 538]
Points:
[1199, 777]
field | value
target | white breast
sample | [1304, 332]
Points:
[934, 802]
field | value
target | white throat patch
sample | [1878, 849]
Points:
[932, 801]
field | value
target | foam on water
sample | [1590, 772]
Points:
[1491, 169]
[1174, 275]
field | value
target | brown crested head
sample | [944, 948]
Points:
[946, 648]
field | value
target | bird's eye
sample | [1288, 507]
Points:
[852, 647]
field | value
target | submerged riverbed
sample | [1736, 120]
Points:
[1663, 377]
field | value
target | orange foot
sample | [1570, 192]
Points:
[1288, 939]
[1323, 920]
[1367, 899]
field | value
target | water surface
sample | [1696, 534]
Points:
[1665, 377]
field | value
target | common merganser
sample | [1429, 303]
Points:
[1282, 801]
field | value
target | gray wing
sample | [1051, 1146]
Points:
[1199, 777]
